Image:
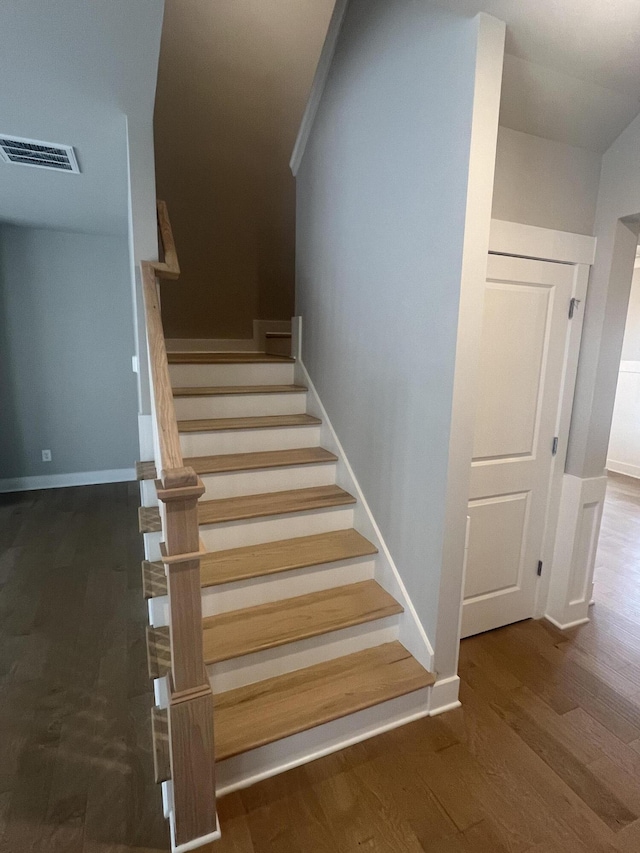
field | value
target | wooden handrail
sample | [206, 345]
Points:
[168, 436]
[190, 711]
[170, 268]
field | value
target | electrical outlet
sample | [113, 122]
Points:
[46, 456]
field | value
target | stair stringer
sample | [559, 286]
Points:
[411, 631]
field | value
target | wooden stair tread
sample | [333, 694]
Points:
[265, 626]
[227, 358]
[262, 422]
[149, 520]
[146, 471]
[264, 459]
[226, 390]
[261, 713]
[154, 579]
[272, 503]
[269, 558]
[277, 334]
[160, 734]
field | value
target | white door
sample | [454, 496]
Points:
[525, 329]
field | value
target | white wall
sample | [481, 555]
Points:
[382, 201]
[66, 341]
[545, 183]
[624, 443]
[631, 340]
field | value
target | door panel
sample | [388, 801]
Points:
[498, 528]
[525, 325]
[520, 315]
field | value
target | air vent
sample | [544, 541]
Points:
[42, 155]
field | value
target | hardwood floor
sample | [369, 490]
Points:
[76, 769]
[543, 757]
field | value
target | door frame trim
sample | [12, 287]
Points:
[543, 244]
[546, 244]
[563, 422]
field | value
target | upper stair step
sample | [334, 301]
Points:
[225, 358]
[226, 462]
[251, 561]
[266, 711]
[262, 422]
[265, 626]
[268, 370]
[272, 503]
[224, 390]
[278, 343]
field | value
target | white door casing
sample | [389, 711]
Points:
[522, 378]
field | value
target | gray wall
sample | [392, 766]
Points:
[380, 222]
[66, 340]
[545, 183]
[617, 223]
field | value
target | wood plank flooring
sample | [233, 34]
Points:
[76, 765]
[543, 757]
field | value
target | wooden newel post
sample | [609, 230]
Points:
[191, 698]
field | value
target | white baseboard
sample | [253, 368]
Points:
[623, 468]
[61, 481]
[565, 626]
[210, 344]
[444, 696]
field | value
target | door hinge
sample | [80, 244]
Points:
[539, 567]
[573, 304]
[554, 446]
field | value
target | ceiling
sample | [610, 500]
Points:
[71, 71]
[572, 70]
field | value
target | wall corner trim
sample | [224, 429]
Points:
[319, 81]
[574, 556]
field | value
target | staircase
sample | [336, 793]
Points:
[303, 626]
[283, 564]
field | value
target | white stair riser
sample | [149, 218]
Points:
[240, 406]
[234, 534]
[259, 481]
[186, 375]
[148, 494]
[152, 546]
[254, 591]
[269, 663]
[248, 440]
[267, 761]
